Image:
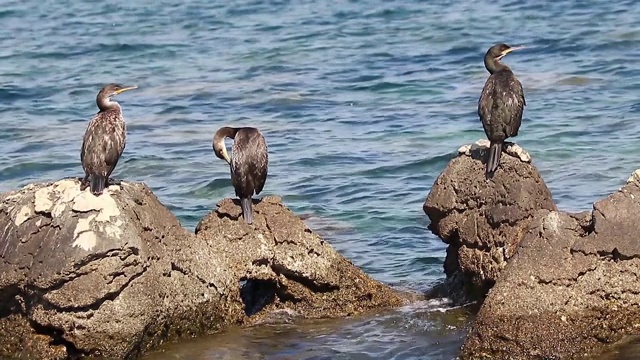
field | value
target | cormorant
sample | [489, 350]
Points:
[249, 163]
[104, 140]
[501, 103]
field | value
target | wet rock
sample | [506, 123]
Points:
[483, 221]
[116, 275]
[572, 288]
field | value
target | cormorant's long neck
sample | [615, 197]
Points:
[493, 65]
[219, 147]
[105, 103]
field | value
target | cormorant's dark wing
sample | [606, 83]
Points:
[88, 145]
[516, 103]
[248, 162]
[114, 144]
[262, 162]
[103, 143]
[501, 105]
[485, 103]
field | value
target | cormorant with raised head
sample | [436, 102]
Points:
[501, 103]
[249, 163]
[104, 140]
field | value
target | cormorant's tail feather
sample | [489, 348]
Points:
[247, 209]
[494, 159]
[97, 184]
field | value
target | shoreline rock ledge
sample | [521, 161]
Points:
[116, 275]
[483, 221]
[572, 291]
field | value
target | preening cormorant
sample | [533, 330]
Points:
[249, 163]
[501, 103]
[104, 140]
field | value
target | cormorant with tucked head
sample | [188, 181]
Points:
[104, 140]
[249, 163]
[501, 104]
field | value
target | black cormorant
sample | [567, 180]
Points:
[104, 140]
[501, 103]
[249, 163]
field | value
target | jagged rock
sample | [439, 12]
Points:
[285, 266]
[483, 221]
[116, 275]
[571, 290]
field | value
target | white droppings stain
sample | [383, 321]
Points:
[104, 204]
[551, 221]
[84, 224]
[112, 230]
[23, 215]
[103, 218]
[66, 191]
[635, 177]
[42, 200]
[99, 214]
[516, 151]
[85, 240]
[465, 149]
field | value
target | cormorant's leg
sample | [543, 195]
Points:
[84, 182]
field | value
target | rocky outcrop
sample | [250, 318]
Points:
[571, 290]
[483, 221]
[116, 275]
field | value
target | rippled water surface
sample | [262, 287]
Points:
[362, 103]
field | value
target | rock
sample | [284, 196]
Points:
[482, 145]
[572, 288]
[285, 266]
[116, 275]
[483, 221]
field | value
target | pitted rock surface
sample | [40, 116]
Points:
[116, 275]
[483, 221]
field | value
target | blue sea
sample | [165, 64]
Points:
[362, 103]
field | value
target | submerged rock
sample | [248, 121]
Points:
[483, 221]
[116, 275]
[572, 288]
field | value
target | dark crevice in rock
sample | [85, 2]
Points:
[183, 271]
[9, 303]
[299, 278]
[283, 293]
[37, 296]
[57, 338]
[77, 269]
[256, 294]
[225, 215]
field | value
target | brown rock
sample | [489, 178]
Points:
[285, 266]
[571, 290]
[483, 221]
[116, 275]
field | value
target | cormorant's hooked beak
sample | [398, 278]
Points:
[120, 91]
[220, 149]
[513, 48]
[225, 155]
